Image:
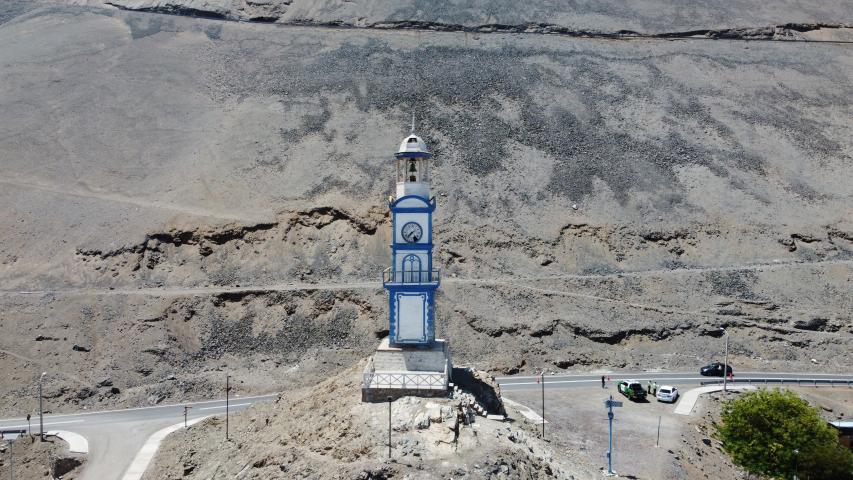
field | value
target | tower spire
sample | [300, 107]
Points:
[413, 123]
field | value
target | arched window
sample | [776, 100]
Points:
[411, 269]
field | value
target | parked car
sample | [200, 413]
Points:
[631, 389]
[715, 370]
[667, 393]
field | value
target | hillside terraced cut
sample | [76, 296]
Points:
[182, 195]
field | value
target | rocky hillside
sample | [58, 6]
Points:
[430, 438]
[186, 195]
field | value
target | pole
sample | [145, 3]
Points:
[543, 404]
[610, 447]
[390, 399]
[657, 442]
[796, 469]
[186, 409]
[726, 361]
[227, 390]
[41, 407]
[11, 458]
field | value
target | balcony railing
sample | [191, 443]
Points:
[411, 276]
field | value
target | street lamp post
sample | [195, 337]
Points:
[796, 466]
[41, 408]
[227, 390]
[11, 461]
[390, 400]
[726, 360]
[8, 445]
[543, 404]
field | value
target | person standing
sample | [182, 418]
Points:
[602, 382]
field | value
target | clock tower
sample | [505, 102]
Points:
[410, 361]
[411, 280]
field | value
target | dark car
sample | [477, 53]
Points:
[715, 370]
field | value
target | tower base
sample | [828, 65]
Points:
[407, 370]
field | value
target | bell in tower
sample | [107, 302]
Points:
[413, 170]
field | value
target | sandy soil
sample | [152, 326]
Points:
[326, 432]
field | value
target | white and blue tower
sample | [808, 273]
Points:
[411, 280]
[411, 361]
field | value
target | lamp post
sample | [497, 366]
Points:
[543, 403]
[41, 408]
[8, 445]
[227, 390]
[390, 400]
[725, 359]
[796, 469]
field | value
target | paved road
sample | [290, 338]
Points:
[509, 384]
[115, 436]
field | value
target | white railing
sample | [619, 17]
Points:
[404, 380]
[410, 276]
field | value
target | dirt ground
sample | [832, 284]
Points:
[327, 432]
[32, 459]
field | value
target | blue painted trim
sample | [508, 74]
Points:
[411, 246]
[411, 287]
[429, 204]
[429, 260]
[429, 318]
[412, 210]
[413, 155]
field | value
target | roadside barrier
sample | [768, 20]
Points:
[814, 382]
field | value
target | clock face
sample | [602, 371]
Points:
[412, 232]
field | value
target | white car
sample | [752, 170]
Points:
[667, 393]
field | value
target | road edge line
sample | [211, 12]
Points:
[143, 457]
[76, 443]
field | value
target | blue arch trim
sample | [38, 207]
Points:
[429, 204]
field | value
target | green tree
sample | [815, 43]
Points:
[774, 432]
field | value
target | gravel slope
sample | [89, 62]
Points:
[147, 155]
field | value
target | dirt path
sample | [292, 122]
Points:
[41, 363]
[84, 191]
[367, 285]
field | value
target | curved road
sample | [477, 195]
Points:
[115, 436]
[509, 384]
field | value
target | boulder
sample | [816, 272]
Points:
[813, 324]
[482, 386]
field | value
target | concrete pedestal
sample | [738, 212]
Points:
[404, 370]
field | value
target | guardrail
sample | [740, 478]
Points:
[411, 276]
[814, 382]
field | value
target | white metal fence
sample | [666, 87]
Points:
[405, 380]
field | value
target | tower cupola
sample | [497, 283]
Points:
[413, 167]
